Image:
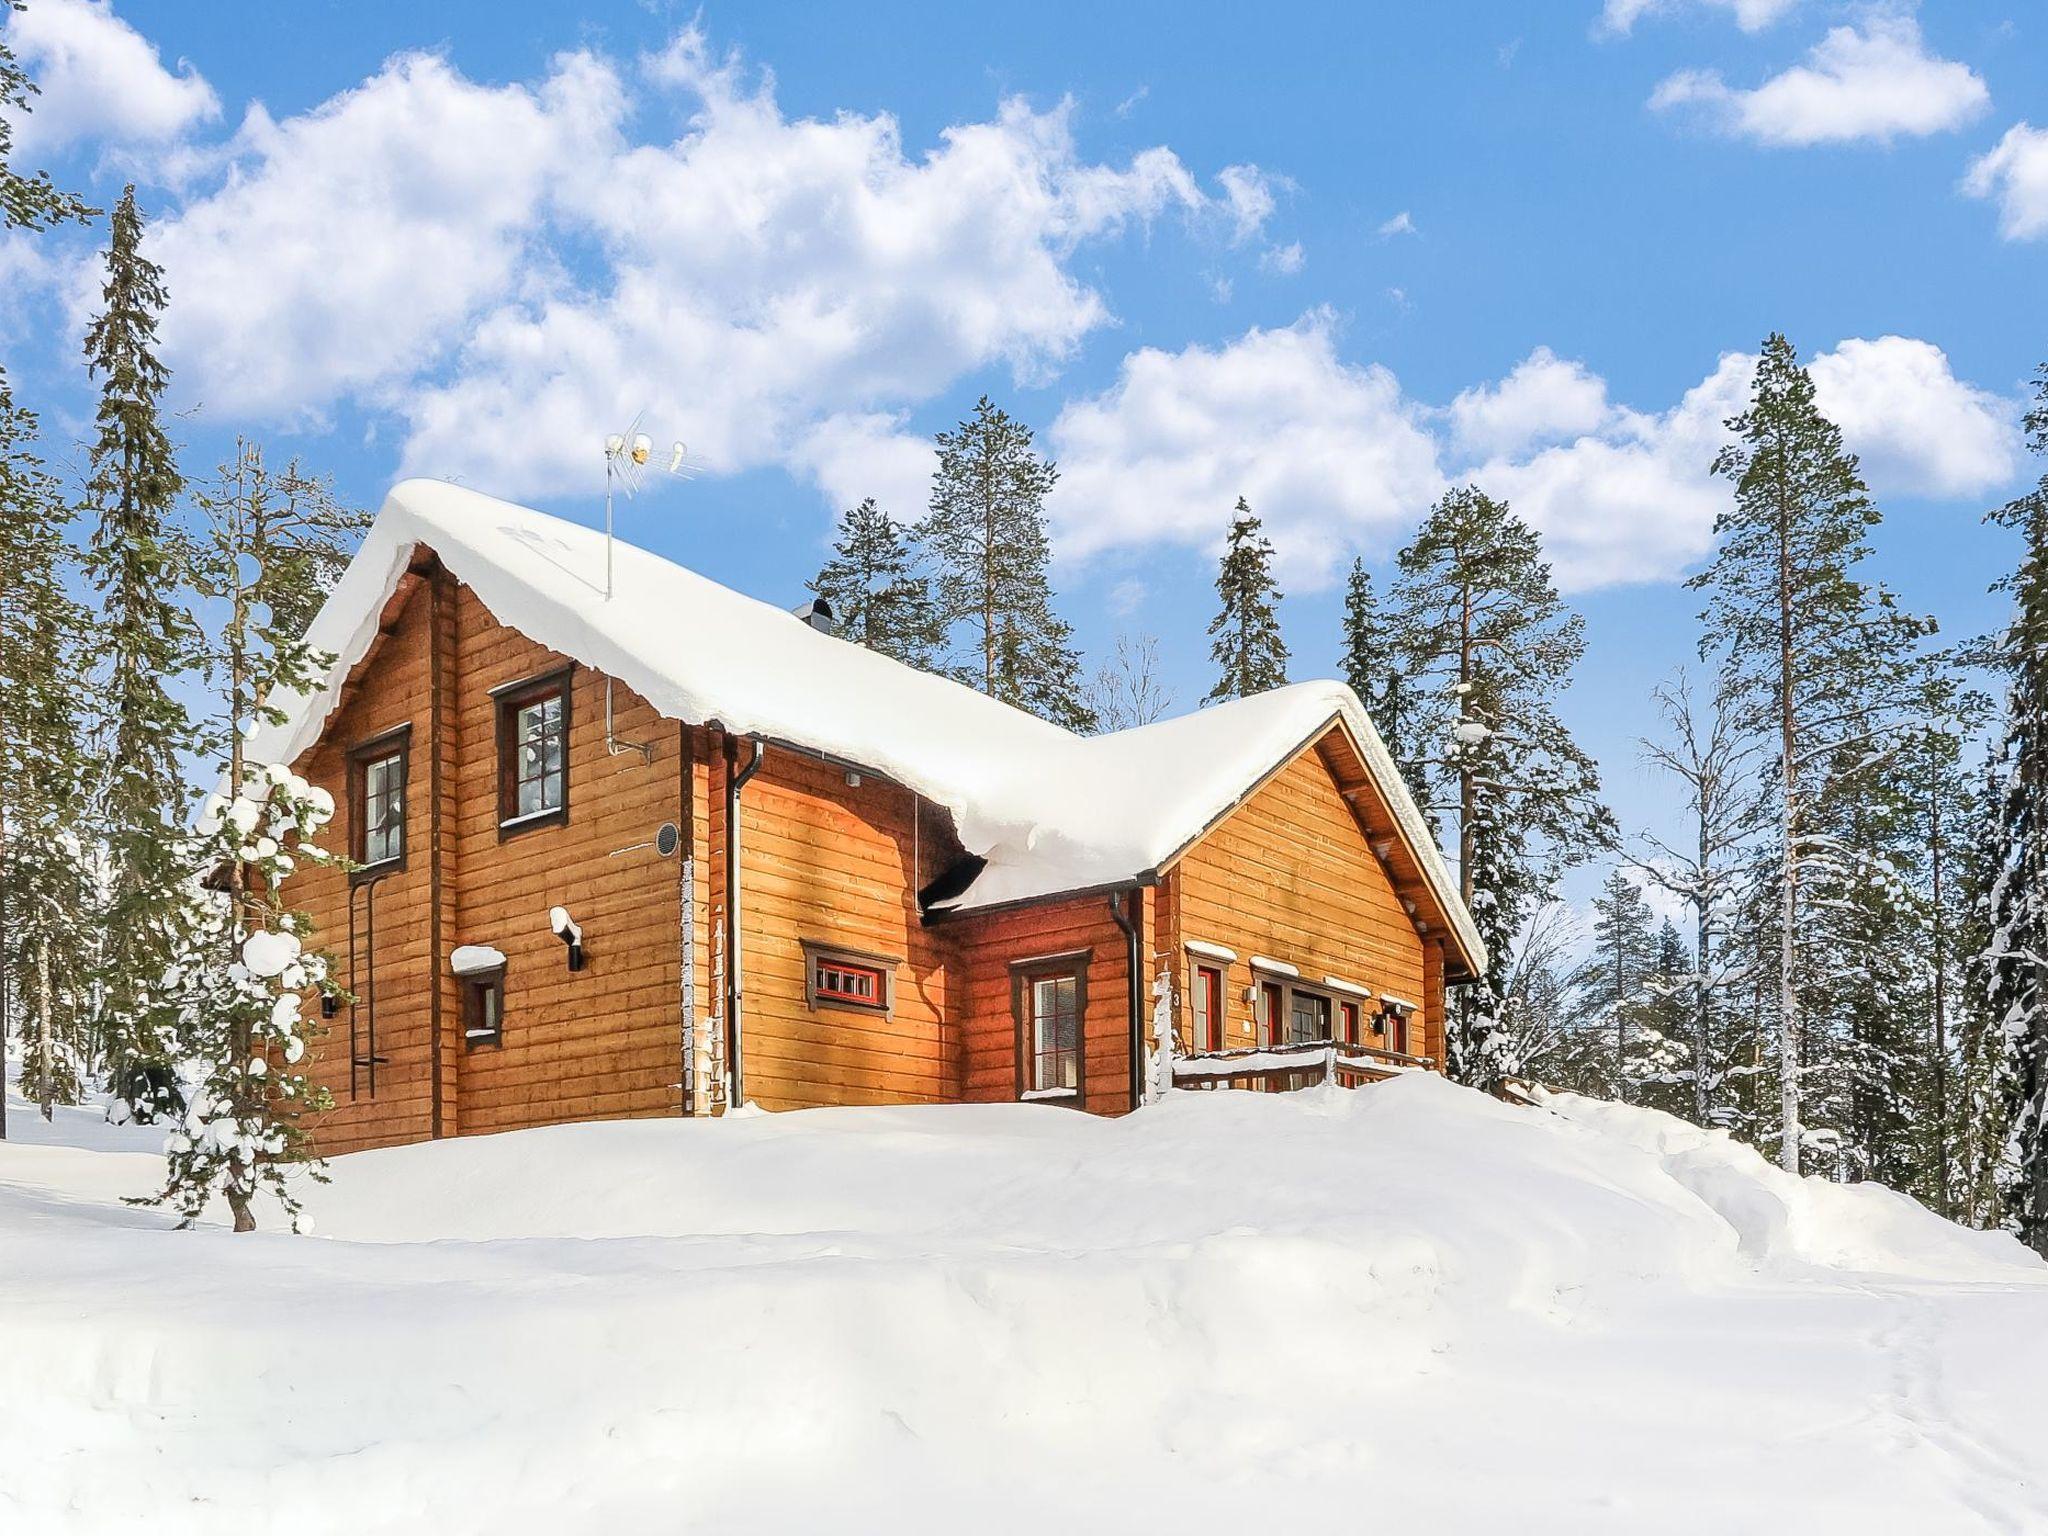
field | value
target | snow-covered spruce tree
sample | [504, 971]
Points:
[1372, 667]
[1979, 1110]
[48, 929]
[27, 201]
[1816, 662]
[2014, 963]
[986, 531]
[1711, 764]
[879, 591]
[1249, 654]
[148, 640]
[235, 993]
[1489, 647]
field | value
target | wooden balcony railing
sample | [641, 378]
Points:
[1304, 1064]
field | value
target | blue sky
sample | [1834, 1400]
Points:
[1330, 257]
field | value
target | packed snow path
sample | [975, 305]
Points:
[1406, 1308]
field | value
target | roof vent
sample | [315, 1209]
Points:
[818, 614]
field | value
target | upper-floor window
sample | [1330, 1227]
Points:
[533, 751]
[1308, 1017]
[377, 773]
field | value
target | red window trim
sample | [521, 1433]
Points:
[820, 958]
[1348, 1012]
[1209, 983]
[832, 975]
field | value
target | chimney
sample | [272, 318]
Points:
[818, 614]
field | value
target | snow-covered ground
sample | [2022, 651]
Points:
[1404, 1309]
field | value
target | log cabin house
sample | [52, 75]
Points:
[673, 849]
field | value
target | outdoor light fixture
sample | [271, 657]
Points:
[569, 932]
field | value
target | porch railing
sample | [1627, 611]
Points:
[1301, 1064]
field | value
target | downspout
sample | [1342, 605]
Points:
[1119, 908]
[734, 783]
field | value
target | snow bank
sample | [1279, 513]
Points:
[1406, 1307]
[1050, 811]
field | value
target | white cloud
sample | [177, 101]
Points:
[99, 78]
[1285, 259]
[1329, 454]
[2016, 173]
[773, 290]
[854, 456]
[1750, 15]
[1875, 81]
[348, 247]
[1545, 398]
[1918, 428]
[1400, 224]
[1336, 457]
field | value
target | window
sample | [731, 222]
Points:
[1050, 997]
[1208, 1008]
[840, 978]
[533, 752]
[1394, 1022]
[1308, 1018]
[483, 1008]
[377, 782]
[1348, 1013]
[1271, 996]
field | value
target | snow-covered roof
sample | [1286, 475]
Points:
[1048, 810]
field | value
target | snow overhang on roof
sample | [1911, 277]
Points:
[1049, 811]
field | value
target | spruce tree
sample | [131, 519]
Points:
[48, 935]
[1490, 647]
[1813, 658]
[136, 563]
[986, 530]
[2014, 960]
[1616, 984]
[1249, 654]
[1372, 667]
[879, 591]
[27, 201]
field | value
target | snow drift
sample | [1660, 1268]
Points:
[1402, 1308]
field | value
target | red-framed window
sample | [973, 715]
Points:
[1208, 1008]
[1272, 1000]
[846, 981]
[1348, 1014]
[1396, 1022]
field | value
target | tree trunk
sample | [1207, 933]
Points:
[46, 1082]
[1703, 944]
[1791, 1132]
[1940, 935]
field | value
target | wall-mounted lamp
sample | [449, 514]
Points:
[330, 1005]
[567, 930]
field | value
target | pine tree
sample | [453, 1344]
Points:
[1372, 667]
[878, 590]
[242, 964]
[1709, 872]
[1490, 647]
[1814, 660]
[48, 948]
[2014, 962]
[1249, 654]
[986, 530]
[26, 201]
[136, 563]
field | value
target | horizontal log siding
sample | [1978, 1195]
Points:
[602, 1042]
[396, 693]
[837, 864]
[1290, 875]
[989, 945]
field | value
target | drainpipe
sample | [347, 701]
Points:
[734, 783]
[1119, 908]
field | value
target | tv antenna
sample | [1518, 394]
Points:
[626, 457]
